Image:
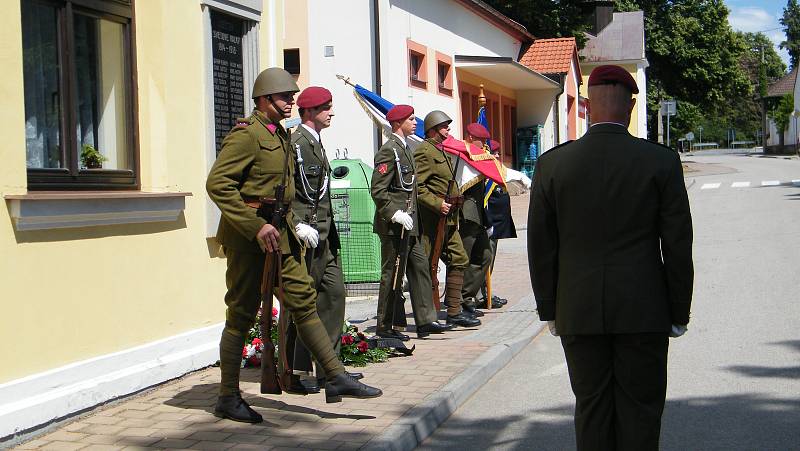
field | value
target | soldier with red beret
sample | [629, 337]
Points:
[394, 190]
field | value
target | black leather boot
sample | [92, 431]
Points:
[233, 407]
[391, 333]
[432, 328]
[471, 310]
[463, 320]
[300, 386]
[344, 386]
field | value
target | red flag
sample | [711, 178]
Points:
[479, 159]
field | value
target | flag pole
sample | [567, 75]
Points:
[482, 104]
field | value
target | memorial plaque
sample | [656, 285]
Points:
[226, 42]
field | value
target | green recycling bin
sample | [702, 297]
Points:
[354, 212]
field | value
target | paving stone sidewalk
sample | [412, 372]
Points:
[420, 391]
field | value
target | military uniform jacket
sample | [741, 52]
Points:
[250, 165]
[610, 235]
[499, 212]
[435, 170]
[389, 187]
[317, 169]
[473, 210]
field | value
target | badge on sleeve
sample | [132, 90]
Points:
[382, 168]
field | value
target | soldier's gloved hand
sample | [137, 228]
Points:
[269, 238]
[404, 219]
[308, 234]
[678, 330]
[552, 326]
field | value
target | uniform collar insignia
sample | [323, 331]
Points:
[272, 128]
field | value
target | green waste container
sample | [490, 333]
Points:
[354, 212]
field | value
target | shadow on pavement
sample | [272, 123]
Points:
[787, 372]
[729, 423]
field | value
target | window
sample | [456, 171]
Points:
[417, 65]
[444, 74]
[78, 94]
[291, 61]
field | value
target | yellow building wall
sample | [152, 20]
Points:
[73, 294]
[296, 36]
[633, 127]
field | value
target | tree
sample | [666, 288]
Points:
[791, 26]
[547, 18]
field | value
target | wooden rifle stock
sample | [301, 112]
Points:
[455, 203]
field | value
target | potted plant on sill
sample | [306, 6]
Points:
[91, 158]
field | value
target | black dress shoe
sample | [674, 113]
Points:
[432, 328]
[495, 304]
[499, 300]
[470, 310]
[463, 320]
[391, 333]
[299, 386]
[233, 407]
[356, 376]
[344, 386]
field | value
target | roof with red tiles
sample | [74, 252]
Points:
[552, 56]
[785, 85]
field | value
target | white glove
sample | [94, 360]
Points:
[490, 231]
[677, 330]
[308, 234]
[404, 219]
[552, 326]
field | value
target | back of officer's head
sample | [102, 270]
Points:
[611, 103]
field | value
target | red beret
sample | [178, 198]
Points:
[608, 75]
[313, 96]
[399, 113]
[477, 130]
[494, 145]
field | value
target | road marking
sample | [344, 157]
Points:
[740, 184]
[770, 183]
[710, 186]
[796, 182]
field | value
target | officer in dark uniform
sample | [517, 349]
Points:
[436, 178]
[394, 190]
[256, 158]
[498, 208]
[313, 224]
[610, 254]
[473, 227]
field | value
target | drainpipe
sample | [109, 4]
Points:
[376, 20]
[557, 109]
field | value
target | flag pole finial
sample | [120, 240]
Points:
[481, 98]
[345, 79]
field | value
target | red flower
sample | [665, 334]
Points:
[244, 352]
[362, 346]
[274, 312]
[255, 360]
[258, 344]
[347, 339]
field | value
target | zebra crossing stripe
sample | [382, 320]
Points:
[740, 184]
[770, 183]
[710, 186]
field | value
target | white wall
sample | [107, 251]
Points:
[641, 100]
[441, 25]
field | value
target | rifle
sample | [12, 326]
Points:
[398, 302]
[455, 203]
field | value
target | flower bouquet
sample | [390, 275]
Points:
[254, 345]
[355, 350]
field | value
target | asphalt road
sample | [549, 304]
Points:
[734, 378]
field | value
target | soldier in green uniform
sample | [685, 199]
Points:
[394, 190]
[313, 223]
[254, 160]
[436, 172]
[473, 227]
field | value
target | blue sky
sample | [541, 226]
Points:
[759, 15]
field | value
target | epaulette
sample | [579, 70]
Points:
[556, 147]
[659, 145]
[241, 123]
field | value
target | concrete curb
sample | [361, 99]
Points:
[422, 420]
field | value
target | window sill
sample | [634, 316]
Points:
[41, 210]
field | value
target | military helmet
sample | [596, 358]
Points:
[435, 118]
[273, 81]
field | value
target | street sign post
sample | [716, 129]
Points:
[669, 108]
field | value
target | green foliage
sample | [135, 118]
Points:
[355, 351]
[791, 26]
[547, 18]
[782, 115]
[91, 157]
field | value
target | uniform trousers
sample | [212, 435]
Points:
[326, 272]
[479, 252]
[243, 298]
[419, 279]
[620, 383]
